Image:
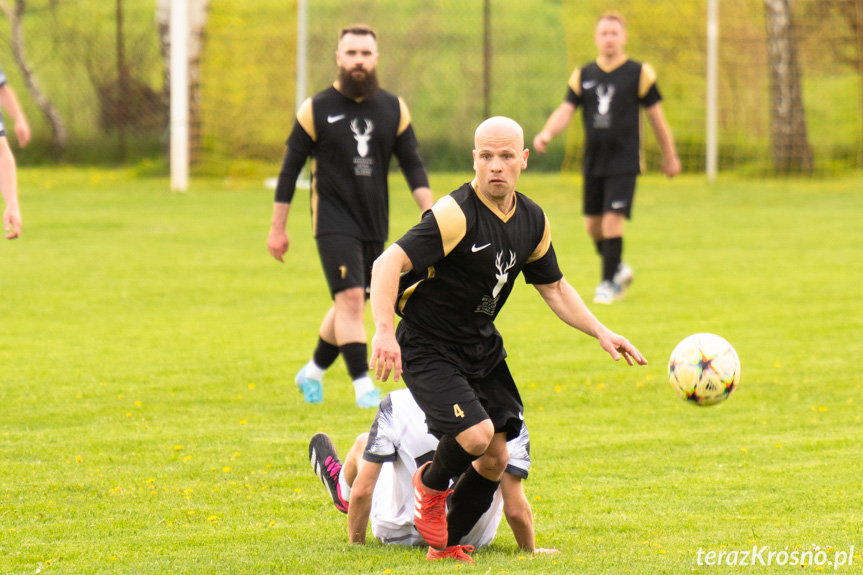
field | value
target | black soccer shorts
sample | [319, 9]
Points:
[458, 386]
[609, 194]
[347, 261]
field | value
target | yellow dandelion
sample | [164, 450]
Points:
[778, 445]
[79, 395]
[120, 396]
[297, 490]
[648, 377]
[540, 408]
[150, 480]
[521, 558]
[187, 458]
[639, 384]
[190, 513]
[239, 396]
[557, 388]
[776, 364]
[752, 540]
[78, 459]
[178, 448]
[577, 488]
[242, 422]
[537, 498]
[128, 414]
[271, 523]
[138, 404]
[226, 469]
[212, 518]
[113, 557]
[822, 409]
[251, 386]
[744, 450]
[600, 386]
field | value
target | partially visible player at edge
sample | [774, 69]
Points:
[8, 170]
[351, 131]
[448, 277]
[375, 481]
[610, 91]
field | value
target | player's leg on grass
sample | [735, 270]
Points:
[326, 464]
[474, 492]
[452, 458]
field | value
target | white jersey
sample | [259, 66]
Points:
[399, 440]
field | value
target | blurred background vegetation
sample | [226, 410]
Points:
[101, 65]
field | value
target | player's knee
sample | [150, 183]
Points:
[475, 440]
[350, 302]
[361, 441]
[493, 462]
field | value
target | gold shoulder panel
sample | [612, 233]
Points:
[405, 119]
[647, 79]
[450, 221]
[307, 119]
[543, 245]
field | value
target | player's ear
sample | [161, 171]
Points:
[525, 154]
[474, 160]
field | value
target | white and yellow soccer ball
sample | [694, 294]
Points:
[704, 369]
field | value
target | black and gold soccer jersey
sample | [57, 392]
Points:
[351, 143]
[466, 255]
[610, 101]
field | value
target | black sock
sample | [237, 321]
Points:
[325, 354]
[356, 359]
[612, 249]
[598, 244]
[471, 498]
[450, 460]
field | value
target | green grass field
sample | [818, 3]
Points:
[149, 423]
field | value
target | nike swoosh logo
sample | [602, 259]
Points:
[475, 249]
[617, 205]
[589, 84]
[332, 119]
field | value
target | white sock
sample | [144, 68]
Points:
[343, 485]
[363, 385]
[314, 371]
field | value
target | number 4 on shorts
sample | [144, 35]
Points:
[457, 410]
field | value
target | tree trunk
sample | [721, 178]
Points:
[791, 151]
[197, 26]
[58, 127]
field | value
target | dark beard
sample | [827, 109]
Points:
[364, 89]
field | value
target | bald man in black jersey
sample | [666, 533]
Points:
[611, 92]
[448, 277]
[351, 131]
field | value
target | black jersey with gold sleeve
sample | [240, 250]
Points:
[466, 255]
[611, 101]
[351, 143]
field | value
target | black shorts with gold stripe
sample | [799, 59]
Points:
[460, 385]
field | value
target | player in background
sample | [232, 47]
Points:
[375, 481]
[8, 171]
[448, 277]
[611, 91]
[351, 131]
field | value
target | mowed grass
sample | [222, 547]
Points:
[149, 423]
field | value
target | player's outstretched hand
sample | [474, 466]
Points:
[618, 346]
[386, 356]
[277, 244]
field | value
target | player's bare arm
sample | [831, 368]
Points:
[386, 353]
[361, 501]
[423, 198]
[9, 102]
[565, 302]
[670, 161]
[557, 122]
[9, 191]
[278, 241]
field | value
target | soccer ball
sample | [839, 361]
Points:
[704, 369]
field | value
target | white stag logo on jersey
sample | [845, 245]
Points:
[604, 94]
[488, 305]
[502, 271]
[362, 138]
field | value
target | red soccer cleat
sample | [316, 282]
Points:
[430, 511]
[456, 552]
